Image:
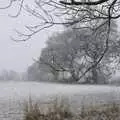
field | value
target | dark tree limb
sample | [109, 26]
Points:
[73, 2]
[9, 5]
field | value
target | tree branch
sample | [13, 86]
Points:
[73, 2]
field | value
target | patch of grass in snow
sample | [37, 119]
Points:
[61, 110]
[56, 110]
[102, 112]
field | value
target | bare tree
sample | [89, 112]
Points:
[92, 14]
[61, 53]
[68, 12]
[74, 51]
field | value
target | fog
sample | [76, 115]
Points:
[19, 55]
[45, 92]
[26, 89]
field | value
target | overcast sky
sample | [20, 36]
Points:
[18, 55]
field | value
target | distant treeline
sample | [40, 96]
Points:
[10, 75]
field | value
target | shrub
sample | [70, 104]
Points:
[57, 110]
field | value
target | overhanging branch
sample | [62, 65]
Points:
[73, 2]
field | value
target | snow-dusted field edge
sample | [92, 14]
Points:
[13, 94]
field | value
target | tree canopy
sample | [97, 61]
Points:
[75, 51]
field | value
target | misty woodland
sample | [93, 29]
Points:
[84, 48]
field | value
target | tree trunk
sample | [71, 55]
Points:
[56, 76]
[74, 76]
[94, 75]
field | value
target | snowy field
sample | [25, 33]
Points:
[13, 95]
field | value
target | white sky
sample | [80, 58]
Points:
[18, 55]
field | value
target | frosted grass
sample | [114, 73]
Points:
[13, 95]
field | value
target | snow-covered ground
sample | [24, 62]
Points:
[12, 94]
